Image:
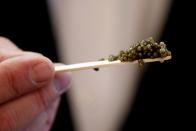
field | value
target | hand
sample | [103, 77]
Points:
[29, 89]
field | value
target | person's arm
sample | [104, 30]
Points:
[29, 89]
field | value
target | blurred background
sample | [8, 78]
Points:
[116, 98]
[90, 29]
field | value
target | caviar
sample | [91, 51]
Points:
[145, 49]
[142, 50]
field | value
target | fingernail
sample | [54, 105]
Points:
[41, 73]
[62, 82]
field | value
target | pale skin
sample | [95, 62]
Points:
[29, 89]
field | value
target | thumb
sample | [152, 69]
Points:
[24, 73]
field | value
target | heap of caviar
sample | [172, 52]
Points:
[145, 49]
[142, 50]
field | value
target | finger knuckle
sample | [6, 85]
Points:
[6, 122]
[2, 57]
[7, 85]
[7, 43]
[10, 78]
[4, 40]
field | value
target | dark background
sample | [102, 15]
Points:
[165, 97]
